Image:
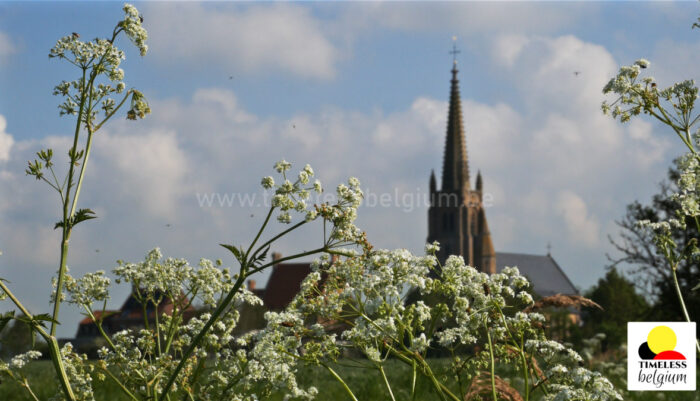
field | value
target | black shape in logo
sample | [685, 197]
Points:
[645, 352]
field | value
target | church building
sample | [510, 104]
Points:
[457, 217]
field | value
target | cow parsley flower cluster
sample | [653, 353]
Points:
[292, 195]
[394, 304]
[92, 287]
[100, 57]
[133, 29]
[673, 106]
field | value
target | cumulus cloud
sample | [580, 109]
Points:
[674, 61]
[581, 226]
[145, 170]
[545, 155]
[470, 18]
[6, 141]
[244, 39]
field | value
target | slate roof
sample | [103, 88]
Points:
[544, 273]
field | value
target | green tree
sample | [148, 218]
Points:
[621, 304]
[650, 269]
[16, 338]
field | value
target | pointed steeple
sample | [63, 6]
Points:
[479, 181]
[433, 183]
[455, 170]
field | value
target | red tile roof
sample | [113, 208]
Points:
[88, 320]
[284, 283]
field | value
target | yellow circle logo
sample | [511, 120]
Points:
[661, 338]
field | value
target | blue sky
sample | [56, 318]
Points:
[354, 89]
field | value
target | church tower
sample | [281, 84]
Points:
[456, 217]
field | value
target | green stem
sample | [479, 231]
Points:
[526, 370]
[298, 255]
[25, 384]
[260, 231]
[386, 382]
[121, 386]
[65, 236]
[278, 236]
[198, 338]
[413, 382]
[82, 173]
[342, 382]
[493, 364]
[54, 352]
[21, 307]
[108, 116]
[682, 302]
[57, 361]
[99, 327]
[519, 347]
[157, 324]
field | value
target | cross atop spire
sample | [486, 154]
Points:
[455, 169]
[454, 52]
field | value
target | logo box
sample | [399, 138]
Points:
[661, 356]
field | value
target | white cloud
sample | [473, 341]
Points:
[6, 141]
[219, 101]
[674, 61]
[507, 48]
[581, 226]
[146, 170]
[542, 159]
[472, 17]
[242, 39]
[6, 45]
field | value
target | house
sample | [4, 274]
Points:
[131, 315]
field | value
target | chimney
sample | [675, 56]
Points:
[275, 257]
[251, 285]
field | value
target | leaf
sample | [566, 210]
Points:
[80, 215]
[238, 253]
[46, 318]
[261, 257]
[6, 318]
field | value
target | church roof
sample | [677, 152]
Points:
[544, 273]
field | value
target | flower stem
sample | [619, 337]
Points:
[386, 382]
[682, 302]
[25, 384]
[342, 382]
[413, 382]
[198, 339]
[493, 364]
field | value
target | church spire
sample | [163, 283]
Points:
[455, 170]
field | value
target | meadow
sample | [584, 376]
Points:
[366, 384]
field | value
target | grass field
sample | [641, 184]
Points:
[366, 384]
